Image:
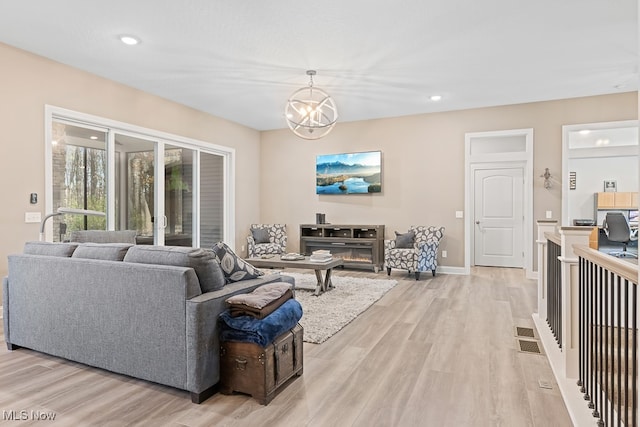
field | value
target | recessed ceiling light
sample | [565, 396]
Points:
[130, 40]
[435, 97]
[93, 137]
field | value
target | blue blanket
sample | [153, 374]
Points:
[260, 331]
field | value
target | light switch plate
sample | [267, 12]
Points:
[459, 214]
[32, 217]
[549, 214]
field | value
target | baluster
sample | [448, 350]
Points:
[597, 395]
[559, 292]
[634, 358]
[611, 346]
[591, 337]
[581, 280]
[619, 348]
[626, 352]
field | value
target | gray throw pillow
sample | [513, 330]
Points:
[260, 235]
[105, 251]
[50, 248]
[234, 267]
[201, 260]
[405, 240]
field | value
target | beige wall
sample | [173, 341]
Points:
[28, 82]
[423, 166]
[423, 155]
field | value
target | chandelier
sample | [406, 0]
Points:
[311, 112]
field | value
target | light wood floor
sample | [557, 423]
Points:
[438, 352]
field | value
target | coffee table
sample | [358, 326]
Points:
[324, 284]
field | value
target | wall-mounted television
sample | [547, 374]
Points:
[349, 173]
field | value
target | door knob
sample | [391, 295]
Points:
[478, 222]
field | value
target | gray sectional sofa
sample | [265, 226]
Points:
[149, 312]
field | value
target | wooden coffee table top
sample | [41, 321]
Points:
[275, 262]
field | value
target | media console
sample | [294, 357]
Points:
[359, 246]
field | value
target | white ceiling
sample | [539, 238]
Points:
[241, 59]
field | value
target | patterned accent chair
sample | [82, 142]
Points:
[421, 257]
[267, 239]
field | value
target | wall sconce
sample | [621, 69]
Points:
[547, 178]
[62, 211]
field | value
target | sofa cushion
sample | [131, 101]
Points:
[404, 240]
[201, 260]
[106, 251]
[260, 235]
[234, 267]
[103, 236]
[50, 248]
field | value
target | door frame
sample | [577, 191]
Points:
[496, 157]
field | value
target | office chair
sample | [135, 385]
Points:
[617, 229]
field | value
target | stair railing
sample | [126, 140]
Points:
[608, 337]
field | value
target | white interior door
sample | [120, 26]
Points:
[499, 217]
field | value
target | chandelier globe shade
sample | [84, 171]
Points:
[311, 113]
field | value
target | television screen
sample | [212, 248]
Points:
[349, 173]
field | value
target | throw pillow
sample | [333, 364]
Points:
[201, 260]
[50, 249]
[405, 240]
[260, 235]
[234, 267]
[106, 251]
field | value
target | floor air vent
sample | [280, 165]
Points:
[526, 346]
[525, 332]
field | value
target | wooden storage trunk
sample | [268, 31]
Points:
[260, 371]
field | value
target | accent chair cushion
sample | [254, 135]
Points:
[234, 268]
[405, 240]
[260, 235]
[106, 251]
[201, 260]
[50, 248]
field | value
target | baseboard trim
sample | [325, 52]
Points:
[452, 270]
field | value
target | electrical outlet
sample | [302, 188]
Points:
[242, 248]
[549, 214]
[444, 254]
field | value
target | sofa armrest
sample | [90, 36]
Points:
[251, 246]
[427, 255]
[389, 244]
[5, 312]
[430, 246]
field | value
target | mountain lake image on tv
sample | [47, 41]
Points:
[349, 173]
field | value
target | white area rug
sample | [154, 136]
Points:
[326, 314]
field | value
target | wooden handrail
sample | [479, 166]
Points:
[554, 237]
[624, 269]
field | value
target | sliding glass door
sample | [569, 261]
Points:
[79, 181]
[178, 196]
[211, 199]
[166, 219]
[170, 192]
